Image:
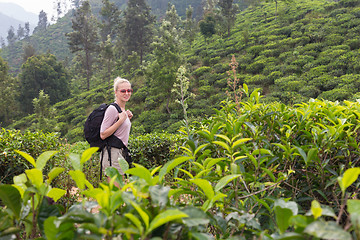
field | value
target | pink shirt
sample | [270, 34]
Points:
[110, 117]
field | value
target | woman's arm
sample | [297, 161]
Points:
[109, 131]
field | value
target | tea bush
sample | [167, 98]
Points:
[155, 149]
[33, 143]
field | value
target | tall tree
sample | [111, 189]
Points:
[27, 30]
[43, 22]
[8, 89]
[138, 24]
[172, 16]
[11, 37]
[189, 25]
[29, 51]
[20, 32]
[83, 39]
[207, 25]
[2, 42]
[110, 20]
[228, 11]
[166, 60]
[43, 72]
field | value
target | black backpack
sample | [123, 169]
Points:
[92, 134]
[93, 124]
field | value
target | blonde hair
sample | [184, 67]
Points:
[118, 81]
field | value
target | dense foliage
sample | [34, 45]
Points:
[258, 170]
[42, 73]
[12, 164]
[298, 51]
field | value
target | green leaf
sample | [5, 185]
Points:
[171, 165]
[27, 157]
[75, 161]
[205, 186]
[239, 142]
[159, 195]
[86, 155]
[200, 148]
[35, 176]
[50, 229]
[303, 154]
[349, 177]
[269, 173]
[224, 181]
[327, 230]
[79, 177]
[353, 207]
[54, 173]
[210, 162]
[135, 221]
[222, 136]
[43, 158]
[11, 198]
[141, 172]
[283, 212]
[223, 145]
[56, 193]
[165, 217]
[316, 209]
[142, 213]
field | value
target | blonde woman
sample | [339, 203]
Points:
[117, 124]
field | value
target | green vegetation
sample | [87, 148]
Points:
[243, 128]
[265, 170]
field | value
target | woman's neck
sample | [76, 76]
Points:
[121, 104]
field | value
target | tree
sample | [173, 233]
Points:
[11, 37]
[8, 87]
[43, 72]
[43, 22]
[228, 11]
[43, 114]
[110, 20]
[107, 59]
[138, 31]
[207, 25]
[83, 39]
[2, 42]
[20, 32]
[172, 16]
[165, 63]
[210, 6]
[27, 30]
[189, 25]
[29, 51]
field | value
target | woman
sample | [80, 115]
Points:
[117, 123]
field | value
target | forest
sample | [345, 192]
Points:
[245, 125]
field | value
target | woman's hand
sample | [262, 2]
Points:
[122, 116]
[129, 114]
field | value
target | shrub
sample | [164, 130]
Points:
[154, 149]
[33, 143]
[338, 94]
[201, 70]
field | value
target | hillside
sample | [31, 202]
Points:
[53, 40]
[14, 15]
[306, 49]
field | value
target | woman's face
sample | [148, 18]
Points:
[123, 92]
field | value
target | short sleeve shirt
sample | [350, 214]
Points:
[110, 117]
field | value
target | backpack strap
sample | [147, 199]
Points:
[116, 106]
[108, 145]
[108, 148]
[101, 161]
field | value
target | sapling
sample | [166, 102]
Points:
[233, 83]
[180, 88]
